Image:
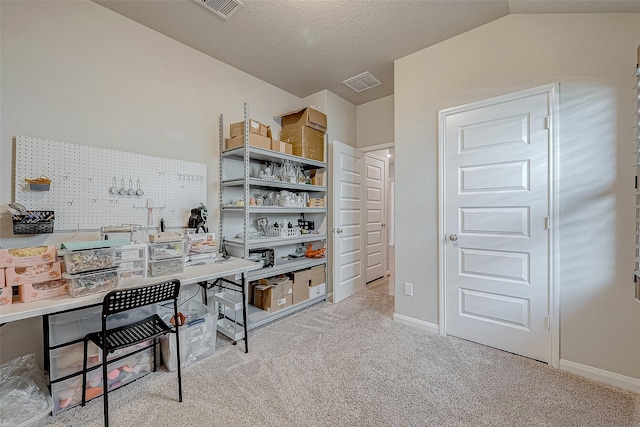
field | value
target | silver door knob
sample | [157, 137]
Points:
[453, 237]
[339, 230]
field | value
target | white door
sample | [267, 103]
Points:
[347, 225]
[375, 216]
[496, 201]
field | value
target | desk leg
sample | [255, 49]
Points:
[244, 312]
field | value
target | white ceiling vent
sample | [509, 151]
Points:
[222, 8]
[362, 82]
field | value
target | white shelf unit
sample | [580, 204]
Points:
[239, 171]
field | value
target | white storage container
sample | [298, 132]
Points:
[68, 393]
[158, 251]
[197, 335]
[89, 260]
[130, 252]
[132, 261]
[92, 282]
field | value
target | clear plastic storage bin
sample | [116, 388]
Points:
[68, 360]
[92, 282]
[158, 251]
[197, 335]
[74, 325]
[68, 393]
[89, 260]
[166, 267]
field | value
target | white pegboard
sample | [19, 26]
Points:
[82, 177]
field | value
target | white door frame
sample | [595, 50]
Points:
[553, 91]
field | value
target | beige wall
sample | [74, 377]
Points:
[375, 122]
[79, 73]
[593, 58]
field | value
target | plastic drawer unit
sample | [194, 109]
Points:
[68, 393]
[92, 282]
[67, 360]
[90, 260]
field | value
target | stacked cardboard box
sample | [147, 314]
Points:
[304, 129]
[34, 270]
[308, 283]
[258, 135]
[273, 294]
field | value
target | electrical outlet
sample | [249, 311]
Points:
[408, 289]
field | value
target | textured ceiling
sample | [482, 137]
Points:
[305, 46]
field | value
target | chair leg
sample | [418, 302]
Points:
[179, 363]
[84, 373]
[105, 387]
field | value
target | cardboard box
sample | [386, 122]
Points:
[36, 291]
[275, 296]
[255, 140]
[316, 291]
[317, 177]
[305, 117]
[282, 285]
[318, 275]
[23, 257]
[33, 273]
[1, 277]
[255, 127]
[306, 142]
[300, 291]
[316, 202]
[6, 295]
[283, 147]
[301, 276]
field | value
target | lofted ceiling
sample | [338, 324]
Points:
[305, 46]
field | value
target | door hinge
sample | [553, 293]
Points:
[547, 223]
[547, 325]
[547, 122]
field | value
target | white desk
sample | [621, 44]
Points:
[191, 274]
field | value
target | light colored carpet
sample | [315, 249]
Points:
[349, 364]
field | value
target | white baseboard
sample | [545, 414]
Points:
[431, 327]
[597, 374]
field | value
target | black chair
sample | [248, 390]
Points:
[149, 328]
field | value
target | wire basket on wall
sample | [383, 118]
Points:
[33, 222]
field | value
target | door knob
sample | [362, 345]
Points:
[453, 237]
[339, 230]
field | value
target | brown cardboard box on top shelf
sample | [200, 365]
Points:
[306, 142]
[282, 147]
[254, 140]
[255, 127]
[308, 116]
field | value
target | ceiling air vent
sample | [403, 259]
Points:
[362, 82]
[222, 8]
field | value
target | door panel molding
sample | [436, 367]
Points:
[552, 92]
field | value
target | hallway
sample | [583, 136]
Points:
[386, 285]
